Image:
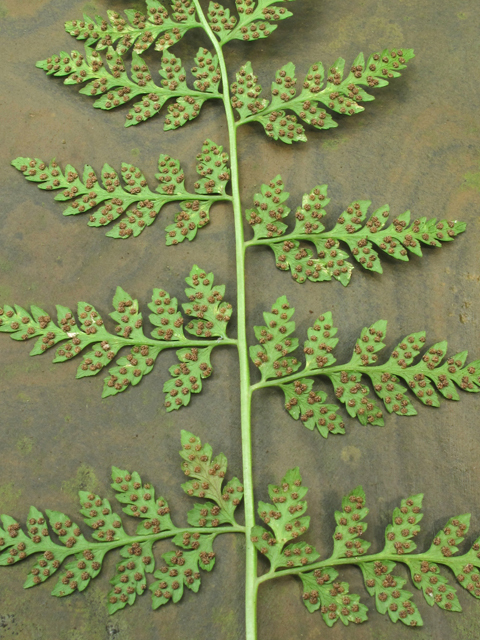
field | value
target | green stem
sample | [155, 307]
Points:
[108, 546]
[349, 367]
[324, 235]
[245, 393]
[306, 237]
[190, 196]
[358, 560]
[176, 197]
[158, 344]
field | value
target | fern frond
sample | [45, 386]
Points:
[140, 205]
[320, 90]
[194, 544]
[323, 591]
[212, 316]
[114, 88]
[139, 30]
[352, 228]
[426, 378]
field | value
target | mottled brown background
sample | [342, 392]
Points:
[416, 148]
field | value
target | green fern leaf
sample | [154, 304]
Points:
[255, 20]
[186, 108]
[193, 217]
[141, 502]
[269, 210]
[165, 316]
[310, 407]
[211, 316]
[213, 169]
[98, 514]
[321, 342]
[207, 480]
[78, 574]
[341, 95]
[246, 92]
[435, 587]
[322, 591]
[206, 71]
[284, 518]
[135, 199]
[171, 176]
[389, 596]
[347, 541]
[194, 547]
[67, 531]
[220, 21]
[113, 88]
[352, 228]
[21, 546]
[182, 568]
[207, 305]
[274, 342]
[130, 370]
[138, 30]
[303, 265]
[467, 569]
[446, 541]
[348, 381]
[399, 534]
[130, 579]
[356, 398]
[194, 366]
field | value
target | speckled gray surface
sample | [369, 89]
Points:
[416, 147]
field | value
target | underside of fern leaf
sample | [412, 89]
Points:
[182, 566]
[320, 91]
[209, 314]
[140, 205]
[322, 591]
[101, 72]
[278, 541]
[139, 30]
[426, 377]
[115, 88]
[352, 228]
